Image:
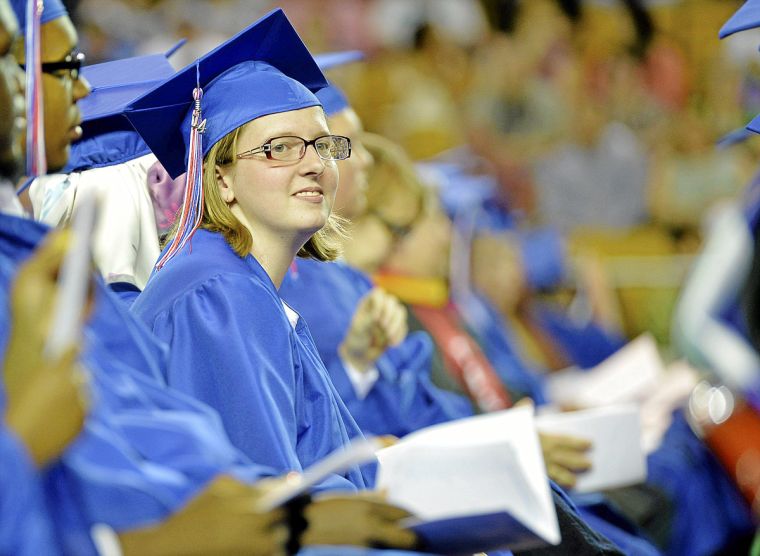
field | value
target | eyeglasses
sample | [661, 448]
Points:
[399, 232]
[291, 148]
[70, 66]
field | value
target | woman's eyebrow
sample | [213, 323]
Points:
[290, 133]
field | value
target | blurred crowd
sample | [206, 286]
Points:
[529, 194]
[599, 119]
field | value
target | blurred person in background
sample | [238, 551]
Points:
[33, 386]
[404, 240]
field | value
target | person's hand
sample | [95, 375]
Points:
[379, 322]
[222, 520]
[565, 457]
[46, 398]
[362, 519]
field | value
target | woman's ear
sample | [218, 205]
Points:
[224, 183]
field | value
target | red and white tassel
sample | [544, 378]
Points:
[192, 206]
[36, 162]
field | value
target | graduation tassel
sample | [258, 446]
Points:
[36, 163]
[192, 205]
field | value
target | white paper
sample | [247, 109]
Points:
[356, 453]
[480, 465]
[629, 375]
[672, 392]
[617, 458]
[73, 282]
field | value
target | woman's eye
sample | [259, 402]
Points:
[280, 148]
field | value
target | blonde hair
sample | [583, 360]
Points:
[324, 245]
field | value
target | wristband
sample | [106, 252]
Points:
[296, 522]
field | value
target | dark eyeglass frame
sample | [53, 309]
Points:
[399, 232]
[266, 148]
[72, 63]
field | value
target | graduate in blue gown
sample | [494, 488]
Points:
[544, 266]
[25, 525]
[233, 343]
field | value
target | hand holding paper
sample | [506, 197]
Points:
[614, 433]
[46, 397]
[360, 451]
[629, 375]
[565, 455]
[474, 484]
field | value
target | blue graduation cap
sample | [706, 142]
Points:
[333, 99]
[264, 69]
[107, 136]
[52, 9]
[114, 85]
[746, 17]
[329, 60]
[733, 137]
[754, 125]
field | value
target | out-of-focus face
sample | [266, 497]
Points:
[60, 92]
[424, 251]
[368, 244]
[277, 199]
[351, 199]
[497, 270]
[12, 105]
[374, 236]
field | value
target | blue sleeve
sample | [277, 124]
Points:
[405, 399]
[146, 448]
[231, 349]
[125, 291]
[586, 344]
[25, 529]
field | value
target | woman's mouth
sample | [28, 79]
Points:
[311, 195]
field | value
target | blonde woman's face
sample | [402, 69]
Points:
[281, 199]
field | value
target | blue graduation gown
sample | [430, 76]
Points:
[25, 527]
[233, 347]
[585, 344]
[403, 399]
[145, 448]
[709, 510]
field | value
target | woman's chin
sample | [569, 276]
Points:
[312, 223]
